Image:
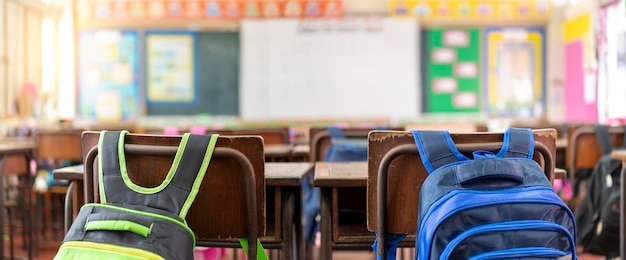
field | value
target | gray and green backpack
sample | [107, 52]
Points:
[134, 222]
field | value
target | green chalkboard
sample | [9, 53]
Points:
[216, 75]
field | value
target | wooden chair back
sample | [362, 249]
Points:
[231, 200]
[394, 154]
[58, 144]
[320, 139]
[584, 148]
[452, 127]
[278, 135]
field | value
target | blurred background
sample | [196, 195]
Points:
[223, 62]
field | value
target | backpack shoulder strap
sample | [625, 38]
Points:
[335, 132]
[604, 139]
[436, 148]
[182, 182]
[338, 137]
[517, 143]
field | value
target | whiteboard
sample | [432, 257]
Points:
[336, 69]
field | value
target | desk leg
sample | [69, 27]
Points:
[287, 212]
[79, 197]
[2, 205]
[326, 224]
[297, 220]
[622, 208]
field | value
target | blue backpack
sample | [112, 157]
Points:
[493, 206]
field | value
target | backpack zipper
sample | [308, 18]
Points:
[537, 252]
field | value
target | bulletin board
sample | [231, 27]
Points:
[108, 71]
[170, 68]
[515, 71]
[452, 73]
[216, 77]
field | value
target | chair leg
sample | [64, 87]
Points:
[11, 237]
[41, 219]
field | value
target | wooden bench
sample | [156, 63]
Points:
[392, 202]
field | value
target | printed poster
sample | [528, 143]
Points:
[170, 67]
[515, 72]
[108, 66]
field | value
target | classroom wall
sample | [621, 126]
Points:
[554, 78]
[555, 70]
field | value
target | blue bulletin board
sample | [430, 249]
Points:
[108, 74]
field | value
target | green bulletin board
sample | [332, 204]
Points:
[453, 71]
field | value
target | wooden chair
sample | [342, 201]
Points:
[275, 140]
[57, 145]
[584, 152]
[348, 203]
[231, 200]
[396, 172]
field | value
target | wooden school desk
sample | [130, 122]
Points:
[620, 154]
[337, 180]
[394, 158]
[282, 180]
[14, 147]
[347, 193]
[58, 145]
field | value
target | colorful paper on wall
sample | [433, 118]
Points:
[108, 67]
[515, 84]
[470, 9]
[170, 67]
[453, 81]
[210, 9]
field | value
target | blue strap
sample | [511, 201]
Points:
[335, 132]
[517, 143]
[436, 148]
[392, 241]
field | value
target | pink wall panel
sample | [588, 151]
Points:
[577, 109]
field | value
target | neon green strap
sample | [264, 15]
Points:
[118, 225]
[261, 255]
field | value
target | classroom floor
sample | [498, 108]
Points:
[49, 246]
